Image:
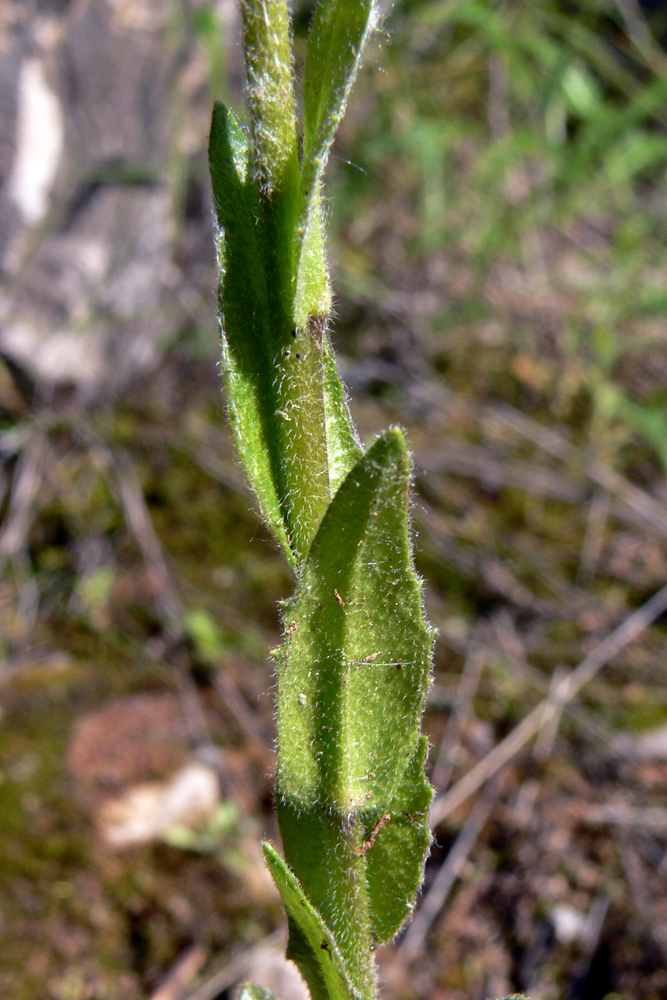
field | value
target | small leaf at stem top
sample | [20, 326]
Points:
[336, 41]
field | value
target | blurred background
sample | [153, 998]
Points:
[497, 225]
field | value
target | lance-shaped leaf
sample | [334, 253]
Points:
[352, 679]
[286, 403]
[336, 41]
[245, 318]
[311, 944]
[355, 667]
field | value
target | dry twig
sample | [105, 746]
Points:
[450, 743]
[139, 521]
[181, 975]
[436, 897]
[563, 693]
[234, 970]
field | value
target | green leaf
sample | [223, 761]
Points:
[311, 944]
[336, 41]
[352, 679]
[354, 671]
[245, 318]
[343, 447]
[399, 841]
[370, 865]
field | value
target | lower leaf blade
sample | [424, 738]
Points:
[311, 944]
[397, 844]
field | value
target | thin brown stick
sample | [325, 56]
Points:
[26, 484]
[546, 736]
[564, 692]
[641, 897]
[639, 33]
[246, 719]
[174, 986]
[234, 970]
[450, 743]
[648, 818]
[167, 601]
[213, 464]
[512, 646]
[140, 523]
[591, 548]
[25, 487]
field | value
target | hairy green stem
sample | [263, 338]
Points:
[353, 672]
[297, 349]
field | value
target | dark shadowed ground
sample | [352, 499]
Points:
[498, 233]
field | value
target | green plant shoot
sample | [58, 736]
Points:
[354, 669]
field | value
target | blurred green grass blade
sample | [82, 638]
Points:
[354, 670]
[311, 944]
[245, 315]
[250, 991]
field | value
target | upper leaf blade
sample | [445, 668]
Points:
[335, 45]
[245, 317]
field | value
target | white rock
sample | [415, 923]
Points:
[145, 812]
[40, 136]
[270, 969]
[653, 744]
[569, 925]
